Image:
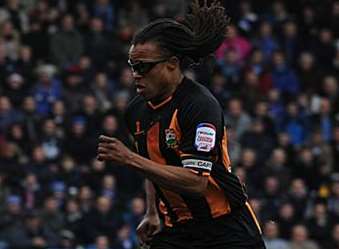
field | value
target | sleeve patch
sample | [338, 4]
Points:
[197, 164]
[205, 137]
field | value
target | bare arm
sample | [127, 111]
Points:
[150, 224]
[150, 198]
[173, 178]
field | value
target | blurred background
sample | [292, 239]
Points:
[64, 80]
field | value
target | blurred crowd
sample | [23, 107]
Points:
[64, 79]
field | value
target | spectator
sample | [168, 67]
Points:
[79, 144]
[16, 89]
[272, 200]
[85, 199]
[30, 118]
[284, 79]
[248, 161]
[236, 43]
[91, 113]
[50, 141]
[250, 91]
[323, 121]
[38, 39]
[108, 188]
[98, 43]
[124, 238]
[237, 118]
[10, 39]
[67, 240]
[48, 89]
[333, 200]
[230, 69]
[218, 88]
[324, 49]
[39, 165]
[60, 116]
[12, 215]
[66, 45]
[31, 234]
[309, 73]
[294, 124]
[248, 18]
[320, 224]
[271, 237]
[277, 166]
[334, 241]
[261, 111]
[133, 217]
[17, 135]
[106, 11]
[8, 115]
[286, 219]
[4, 192]
[74, 219]
[103, 89]
[101, 242]
[101, 220]
[266, 42]
[14, 12]
[31, 192]
[291, 43]
[300, 238]
[298, 197]
[335, 149]
[257, 139]
[25, 65]
[51, 215]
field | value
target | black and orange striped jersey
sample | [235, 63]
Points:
[187, 130]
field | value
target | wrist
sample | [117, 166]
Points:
[132, 160]
[151, 213]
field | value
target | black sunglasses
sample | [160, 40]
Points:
[143, 67]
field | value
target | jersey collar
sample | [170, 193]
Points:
[164, 102]
[167, 100]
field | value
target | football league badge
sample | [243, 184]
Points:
[171, 138]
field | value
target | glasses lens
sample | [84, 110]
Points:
[142, 67]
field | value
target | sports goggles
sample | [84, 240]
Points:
[143, 67]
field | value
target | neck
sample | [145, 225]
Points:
[177, 80]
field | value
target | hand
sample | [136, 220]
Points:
[148, 227]
[112, 149]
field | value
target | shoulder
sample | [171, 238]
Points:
[197, 97]
[198, 105]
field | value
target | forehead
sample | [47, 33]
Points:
[148, 50]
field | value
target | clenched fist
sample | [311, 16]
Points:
[112, 149]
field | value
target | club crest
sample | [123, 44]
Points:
[171, 138]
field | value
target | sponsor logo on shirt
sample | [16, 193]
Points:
[205, 137]
[196, 163]
[171, 138]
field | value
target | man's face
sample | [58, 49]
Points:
[151, 71]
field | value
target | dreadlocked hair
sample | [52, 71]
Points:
[200, 33]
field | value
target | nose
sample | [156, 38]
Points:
[136, 76]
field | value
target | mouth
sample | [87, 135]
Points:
[140, 88]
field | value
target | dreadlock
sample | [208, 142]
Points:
[198, 35]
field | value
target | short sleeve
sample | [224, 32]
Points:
[201, 125]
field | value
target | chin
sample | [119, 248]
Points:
[145, 96]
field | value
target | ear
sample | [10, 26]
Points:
[173, 63]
